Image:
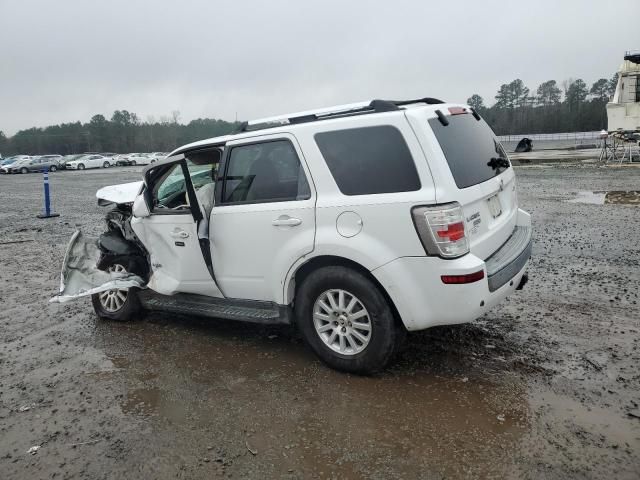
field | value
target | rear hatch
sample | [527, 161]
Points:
[472, 168]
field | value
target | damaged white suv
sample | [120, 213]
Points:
[357, 223]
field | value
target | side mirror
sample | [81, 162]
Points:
[140, 207]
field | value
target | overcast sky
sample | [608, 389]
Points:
[67, 60]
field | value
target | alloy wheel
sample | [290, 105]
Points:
[114, 300]
[342, 322]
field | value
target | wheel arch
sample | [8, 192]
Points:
[303, 270]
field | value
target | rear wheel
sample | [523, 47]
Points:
[53, 168]
[106, 165]
[346, 320]
[117, 304]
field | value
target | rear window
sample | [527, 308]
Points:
[369, 160]
[469, 145]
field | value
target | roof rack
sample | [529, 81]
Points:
[338, 111]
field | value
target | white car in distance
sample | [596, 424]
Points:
[90, 161]
[139, 159]
[157, 156]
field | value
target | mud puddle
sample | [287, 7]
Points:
[270, 399]
[620, 197]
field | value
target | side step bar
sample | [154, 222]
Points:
[267, 313]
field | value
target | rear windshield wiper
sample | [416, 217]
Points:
[498, 162]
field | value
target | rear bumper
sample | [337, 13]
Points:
[509, 259]
[424, 301]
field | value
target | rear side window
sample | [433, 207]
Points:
[264, 172]
[471, 149]
[369, 160]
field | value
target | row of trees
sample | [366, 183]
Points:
[552, 108]
[122, 133]
[569, 107]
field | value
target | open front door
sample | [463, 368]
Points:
[177, 193]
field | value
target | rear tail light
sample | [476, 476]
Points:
[441, 229]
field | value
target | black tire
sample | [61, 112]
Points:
[81, 166]
[131, 308]
[133, 163]
[24, 170]
[106, 165]
[53, 168]
[385, 335]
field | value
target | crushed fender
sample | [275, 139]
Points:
[80, 275]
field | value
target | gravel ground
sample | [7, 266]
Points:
[544, 386]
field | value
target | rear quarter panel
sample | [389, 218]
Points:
[387, 231]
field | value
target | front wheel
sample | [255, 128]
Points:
[346, 320]
[118, 304]
[81, 166]
[133, 163]
[24, 170]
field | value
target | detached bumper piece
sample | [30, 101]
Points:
[80, 275]
[510, 258]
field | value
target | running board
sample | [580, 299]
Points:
[254, 311]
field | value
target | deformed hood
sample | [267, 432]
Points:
[122, 193]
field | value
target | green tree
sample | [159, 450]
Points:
[3, 142]
[600, 89]
[548, 93]
[612, 85]
[576, 93]
[512, 95]
[476, 101]
[504, 98]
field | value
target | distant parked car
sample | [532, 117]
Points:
[22, 160]
[139, 159]
[43, 163]
[90, 161]
[70, 158]
[122, 159]
[157, 156]
[5, 164]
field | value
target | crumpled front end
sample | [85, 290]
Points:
[80, 275]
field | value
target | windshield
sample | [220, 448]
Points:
[472, 151]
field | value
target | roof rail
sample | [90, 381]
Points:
[359, 108]
[427, 100]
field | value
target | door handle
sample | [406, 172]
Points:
[179, 234]
[286, 221]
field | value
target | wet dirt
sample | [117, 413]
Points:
[600, 198]
[545, 385]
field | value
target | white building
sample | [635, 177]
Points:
[623, 111]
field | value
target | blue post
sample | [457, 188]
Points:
[47, 199]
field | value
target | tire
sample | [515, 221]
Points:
[24, 170]
[362, 351]
[133, 163]
[53, 168]
[130, 307]
[106, 165]
[81, 166]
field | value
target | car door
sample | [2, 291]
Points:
[96, 161]
[263, 219]
[180, 258]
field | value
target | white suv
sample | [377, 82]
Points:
[357, 223]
